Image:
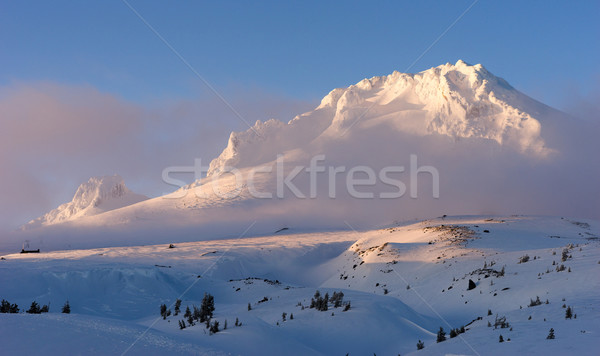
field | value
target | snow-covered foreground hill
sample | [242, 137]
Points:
[403, 283]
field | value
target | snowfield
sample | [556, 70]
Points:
[454, 139]
[403, 282]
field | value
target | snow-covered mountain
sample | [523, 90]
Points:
[494, 147]
[458, 101]
[96, 196]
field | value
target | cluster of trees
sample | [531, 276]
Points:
[536, 302]
[164, 312]
[500, 322]
[321, 303]
[455, 332]
[441, 335]
[203, 314]
[34, 308]
[7, 307]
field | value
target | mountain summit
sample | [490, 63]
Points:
[97, 195]
[455, 100]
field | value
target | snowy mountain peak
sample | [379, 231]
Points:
[97, 195]
[459, 100]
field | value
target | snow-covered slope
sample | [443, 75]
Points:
[96, 196]
[404, 282]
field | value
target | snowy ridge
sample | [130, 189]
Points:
[459, 101]
[97, 195]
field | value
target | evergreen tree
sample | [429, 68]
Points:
[441, 335]
[181, 324]
[292, 316]
[420, 345]
[225, 325]
[500, 339]
[283, 316]
[163, 311]
[177, 306]
[207, 308]
[568, 313]
[453, 333]
[45, 308]
[237, 322]
[34, 308]
[66, 308]
[551, 334]
[249, 307]
[196, 313]
[4, 306]
[188, 312]
[214, 328]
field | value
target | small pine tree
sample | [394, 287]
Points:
[568, 313]
[453, 333]
[4, 306]
[214, 327]
[500, 339]
[163, 311]
[441, 335]
[45, 308]
[420, 345]
[181, 324]
[292, 316]
[66, 309]
[237, 322]
[283, 316]
[188, 312]
[177, 306]
[489, 311]
[225, 325]
[207, 308]
[550, 335]
[34, 308]
[249, 307]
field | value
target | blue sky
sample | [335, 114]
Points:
[87, 89]
[298, 49]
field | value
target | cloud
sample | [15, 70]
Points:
[54, 137]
